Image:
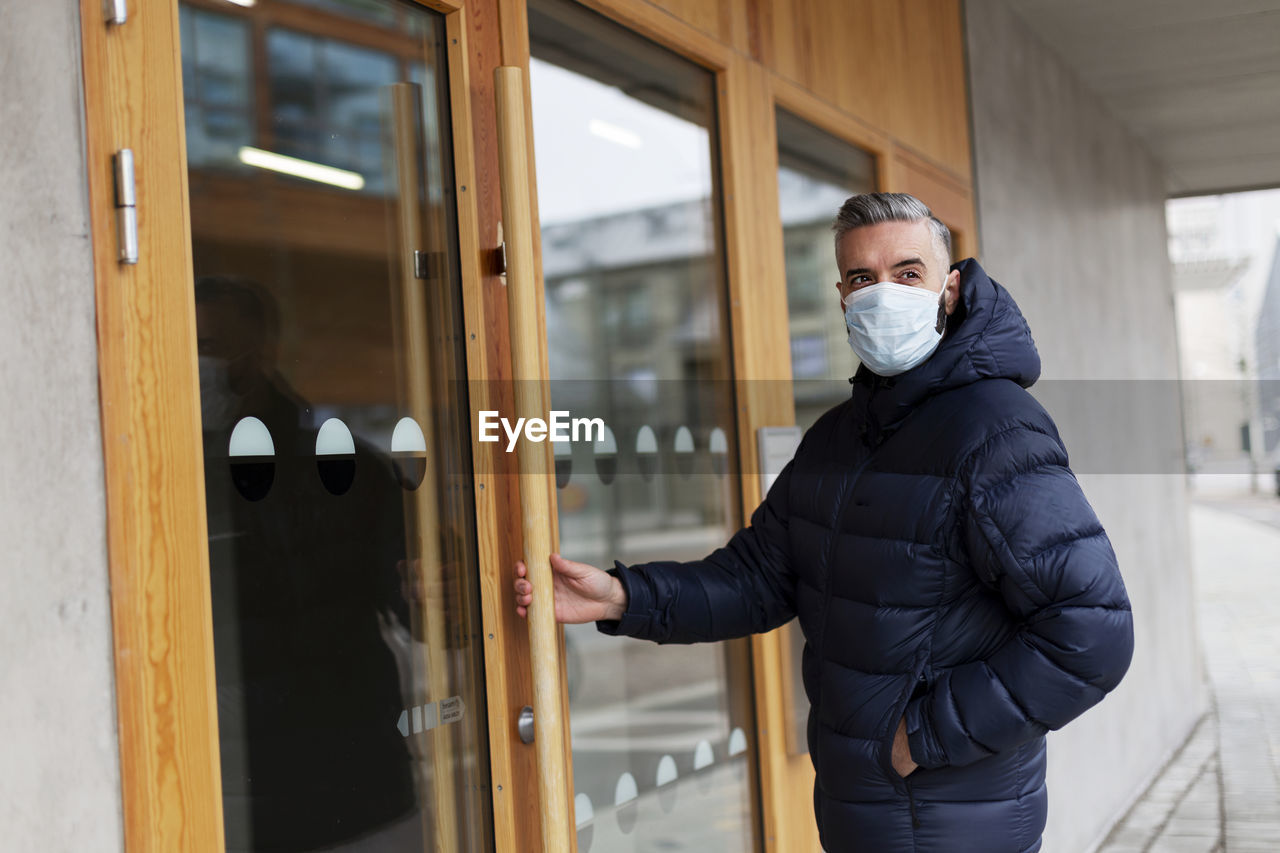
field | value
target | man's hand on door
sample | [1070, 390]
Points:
[583, 593]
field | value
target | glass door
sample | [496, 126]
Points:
[637, 334]
[816, 173]
[342, 539]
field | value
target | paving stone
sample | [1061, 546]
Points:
[1179, 844]
[1232, 758]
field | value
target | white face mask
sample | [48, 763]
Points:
[893, 327]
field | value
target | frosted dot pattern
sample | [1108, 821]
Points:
[251, 438]
[334, 439]
[407, 437]
[582, 811]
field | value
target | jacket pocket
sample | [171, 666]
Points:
[890, 730]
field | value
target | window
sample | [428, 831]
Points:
[216, 85]
[816, 173]
[637, 334]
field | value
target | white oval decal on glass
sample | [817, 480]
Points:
[647, 452]
[624, 798]
[684, 451]
[664, 778]
[562, 453]
[583, 816]
[409, 453]
[719, 447]
[606, 452]
[252, 458]
[335, 456]
[251, 438]
[582, 811]
[702, 755]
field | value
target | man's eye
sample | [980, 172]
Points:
[911, 274]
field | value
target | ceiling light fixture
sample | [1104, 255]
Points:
[301, 168]
[615, 134]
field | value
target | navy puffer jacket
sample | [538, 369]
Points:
[946, 567]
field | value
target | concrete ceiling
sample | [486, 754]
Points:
[1197, 80]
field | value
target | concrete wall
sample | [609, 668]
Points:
[59, 775]
[1071, 220]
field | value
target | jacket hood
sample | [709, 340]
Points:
[986, 338]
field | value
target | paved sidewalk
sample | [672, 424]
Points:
[1221, 792]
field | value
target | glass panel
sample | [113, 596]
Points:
[342, 544]
[216, 86]
[371, 11]
[637, 333]
[816, 173]
[325, 98]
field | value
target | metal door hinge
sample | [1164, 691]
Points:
[126, 206]
[116, 11]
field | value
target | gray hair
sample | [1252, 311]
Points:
[874, 208]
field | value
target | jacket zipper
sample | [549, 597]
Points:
[911, 803]
[917, 675]
[831, 549]
[871, 451]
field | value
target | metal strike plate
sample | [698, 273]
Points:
[428, 265]
[115, 11]
[524, 725]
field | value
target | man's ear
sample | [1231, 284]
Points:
[952, 288]
[840, 291]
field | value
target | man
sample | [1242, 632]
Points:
[957, 594]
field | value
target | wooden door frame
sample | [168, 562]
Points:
[157, 535]
[760, 351]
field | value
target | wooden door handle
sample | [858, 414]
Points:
[533, 461]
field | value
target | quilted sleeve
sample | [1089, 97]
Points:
[746, 587]
[1031, 536]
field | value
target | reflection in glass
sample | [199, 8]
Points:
[370, 11]
[216, 77]
[816, 173]
[325, 98]
[344, 577]
[635, 305]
